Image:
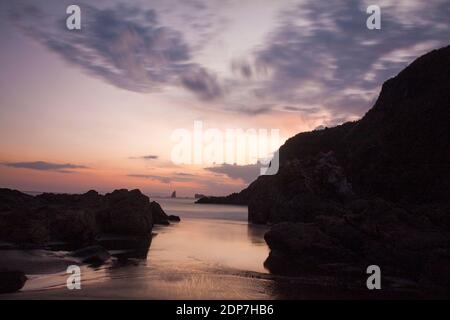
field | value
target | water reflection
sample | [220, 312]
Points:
[213, 253]
[255, 234]
[206, 243]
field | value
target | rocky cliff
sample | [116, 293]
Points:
[373, 191]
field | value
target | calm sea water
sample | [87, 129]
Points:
[213, 253]
[210, 236]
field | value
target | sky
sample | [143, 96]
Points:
[97, 108]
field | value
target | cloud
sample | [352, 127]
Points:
[321, 53]
[242, 68]
[255, 110]
[310, 110]
[184, 174]
[45, 166]
[318, 53]
[148, 157]
[178, 176]
[247, 173]
[124, 45]
[204, 84]
[151, 177]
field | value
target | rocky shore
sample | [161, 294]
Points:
[88, 225]
[373, 191]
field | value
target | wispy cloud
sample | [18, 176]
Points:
[247, 173]
[45, 166]
[321, 53]
[151, 177]
[148, 157]
[172, 177]
[317, 53]
[124, 45]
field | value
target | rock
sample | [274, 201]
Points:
[91, 199]
[372, 191]
[74, 220]
[77, 227]
[233, 199]
[306, 243]
[301, 190]
[24, 226]
[13, 199]
[173, 218]
[339, 229]
[437, 268]
[126, 213]
[159, 216]
[398, 151]
[11, 281]
[125, 247]
[92, 255]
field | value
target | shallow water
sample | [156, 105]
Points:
[213, 253]
[209, 236]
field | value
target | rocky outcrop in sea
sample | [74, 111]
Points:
[88, 224]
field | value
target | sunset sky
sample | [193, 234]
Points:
[96, 108]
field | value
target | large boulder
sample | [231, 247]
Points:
[403, 243]
[302, 247]
[75, 226]
[302, 190]
[24, 226]
[159, 216]
[126, 212]
[78, 219]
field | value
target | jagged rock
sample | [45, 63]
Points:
[398, 151]
[159, 216]
[24, 225]
[307, 242]
[76, 220]
[77, 227]
[376, 190]
[126, 213]
[13, 199]
[233, 199]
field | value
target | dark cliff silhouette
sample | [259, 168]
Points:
[373, 191]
